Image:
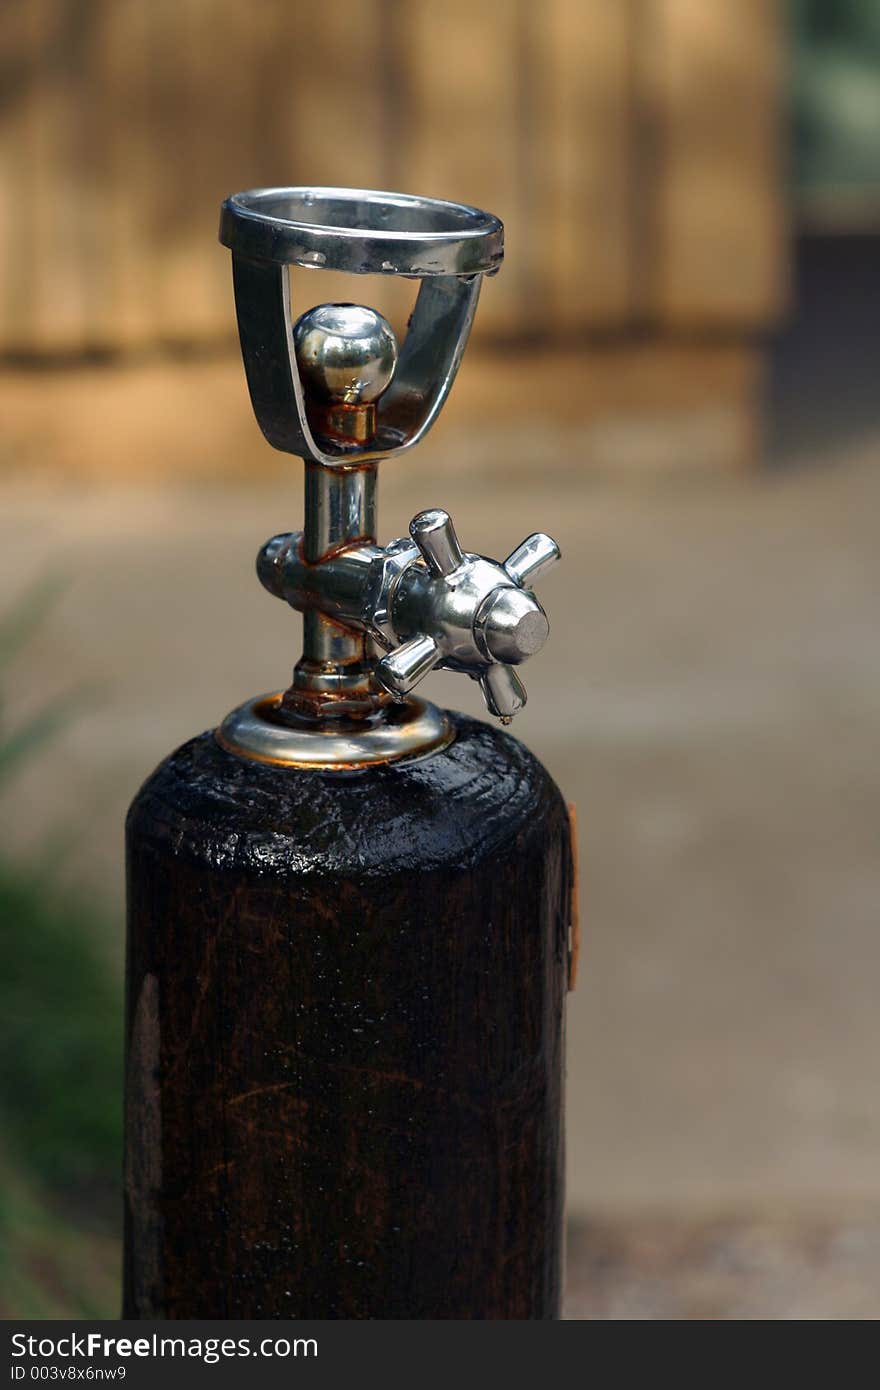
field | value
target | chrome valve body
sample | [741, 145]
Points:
[335, 388]
[426, 603]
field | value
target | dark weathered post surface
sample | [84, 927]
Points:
[345, 1029]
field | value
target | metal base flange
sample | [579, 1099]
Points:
[411, 729]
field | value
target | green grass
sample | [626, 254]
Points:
[60, 1038]
[60, 1063]
[52, 1264]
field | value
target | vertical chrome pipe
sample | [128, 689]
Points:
[333, 678]
[340, 508]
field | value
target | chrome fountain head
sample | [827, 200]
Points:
[334, 388]
[447, 247]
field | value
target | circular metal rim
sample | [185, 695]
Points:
[419, 730]
[364, 231]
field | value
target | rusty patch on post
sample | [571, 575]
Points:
[574, 920]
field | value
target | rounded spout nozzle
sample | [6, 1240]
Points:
[346, 355]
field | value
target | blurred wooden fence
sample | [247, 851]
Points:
[631, 147]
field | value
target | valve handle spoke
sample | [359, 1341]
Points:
[401, 671]
[434, 534]
[503, 692]
[531, 557]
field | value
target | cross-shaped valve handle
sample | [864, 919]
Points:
[467, 613]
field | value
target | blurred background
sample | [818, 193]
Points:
[675, 374]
